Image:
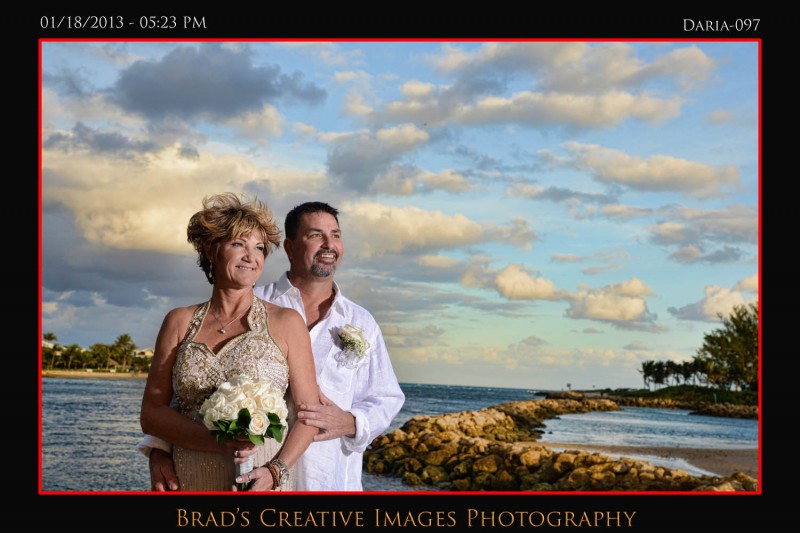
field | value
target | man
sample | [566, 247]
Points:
[359, 396]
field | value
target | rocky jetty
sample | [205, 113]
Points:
[697, 408]
[495, 449]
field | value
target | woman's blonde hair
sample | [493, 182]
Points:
[225, 217]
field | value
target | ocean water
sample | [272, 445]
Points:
[90, 427]
[650, 427]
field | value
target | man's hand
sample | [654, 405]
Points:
[332, 421]
[162, 471]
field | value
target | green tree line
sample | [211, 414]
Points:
[728, 358]
[120, 355]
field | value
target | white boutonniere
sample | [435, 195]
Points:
[354, 346]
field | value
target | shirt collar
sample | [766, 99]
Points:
[284, 285]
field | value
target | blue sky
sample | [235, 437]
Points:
[515, 214]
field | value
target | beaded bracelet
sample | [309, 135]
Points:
[276, 476]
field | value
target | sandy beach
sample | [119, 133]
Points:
[720, 462]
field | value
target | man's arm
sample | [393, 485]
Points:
[376, 401]
[149, 443]
[378, 398]
[159, 452]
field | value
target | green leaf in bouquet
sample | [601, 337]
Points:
[244, 417]
[273, 418]
[276, 432]
[258, 440]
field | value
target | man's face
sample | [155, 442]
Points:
[317, 249]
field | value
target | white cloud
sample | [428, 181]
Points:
[446, 180]
[304, 130]
[417, 89]
[749, 284]
[573, 84]
[734, 223]
[624, 211]
[381, 229]
[356, 104]
[711, 236]
[718, 301]
[584, 111]
[655, 173]
[403, 337]
[126, 205]
[338, 136]
[527, 190]
[348, 76]
[576, 67]
[672, 233]
[402, 138]
[514, 283]
[267, 122]
[566, 258]
[375, 229]
[438, 261]
[405, 180]
[621, 304]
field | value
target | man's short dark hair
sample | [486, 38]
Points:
[292, 223]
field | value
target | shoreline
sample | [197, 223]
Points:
[716, 461]
[95, 374]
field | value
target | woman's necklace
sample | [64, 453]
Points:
[222, 329]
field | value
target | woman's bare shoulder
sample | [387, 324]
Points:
[180, 316]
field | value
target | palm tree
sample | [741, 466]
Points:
[673, 371]
[50, 352]
[687, 370]
[72, 352]
[659, 372]
[101, 354]
[124, 348]
[647, 372]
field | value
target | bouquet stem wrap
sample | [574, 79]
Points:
[245, 467]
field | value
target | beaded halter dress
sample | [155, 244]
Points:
[198, 371]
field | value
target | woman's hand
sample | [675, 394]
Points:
[240, 450]
[260, 480]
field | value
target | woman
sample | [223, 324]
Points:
[202, 346]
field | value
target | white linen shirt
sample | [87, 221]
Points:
[370, 391]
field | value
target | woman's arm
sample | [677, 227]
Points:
[157, 417]
[289, 330]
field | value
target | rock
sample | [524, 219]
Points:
[490, 463]
[531, 458]
[461, 484]
[494, 449]
[433, 474]
[411, 479]
[503, 480]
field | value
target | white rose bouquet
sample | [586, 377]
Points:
[245, 408]
[354, 346]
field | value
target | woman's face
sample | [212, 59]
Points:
[240, 261]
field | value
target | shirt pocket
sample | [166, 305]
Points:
[337, 381]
